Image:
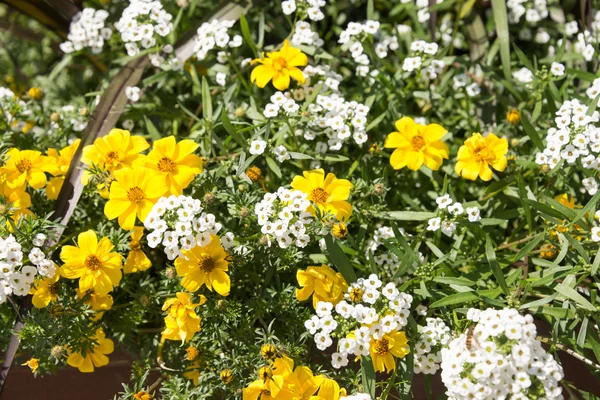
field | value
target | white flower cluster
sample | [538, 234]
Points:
[283, 217]
[258, 146]
[453, 210]
[87, 30]
[178, 222]
[312, 73]
[574, 138]
[362, 316]
[422, 54]
[386, 259]
[351, 38]
[460, 81]
[523, 75]
[501, 359]
[133, 93]
[533, 10]
[312, 7]
[140, 21]
[73, 116]
[303, 34]
[15, 278]
[385, 44]
[428, 349]
[281, 103]
[214, 34]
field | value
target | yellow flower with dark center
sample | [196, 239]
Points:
[92, 262]
[116, 150]
[45, 291]
[94, 356]
[417, 144]
[205, 265]
[58, 166]
[226, 376]
[96, 302]
[323, 283]
[268, 351]
[142, 396]
[133, 193]
[271, 383]
[26, 166]
[356, 294]
[174, 162]
[279, 66]
[478, 154]
[383, 351]
[33, 364]
[340, 230]
[328, 193]
[136, 259]
[181, 322]
[191, 353]
[193, 372]
[513, 116]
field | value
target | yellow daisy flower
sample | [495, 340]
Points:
[303, 383]
[25, 166]
[271, 382]
[328, 193]
[175, 162]
[33, 363]
[383, 351]
[478, 154]
[136, 259]
[92, 263]
[279, 66]
[58, 166]
[94, 357]
[133, 192]
[17, 198]
[97, 302]
[416, 145]
[181, 322]
[45, 291]
[114, 151]
[205, 265]
[323, 283]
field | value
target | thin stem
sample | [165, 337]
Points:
[569, 351]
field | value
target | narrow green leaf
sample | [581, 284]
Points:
[525, 250]
[367, 371]
[151, 128]
[531, 132]
[501, 22]
[339, 259]
[582, 333]
[246, 34]
[406, 215]
[231, 129]
[458, 298]
[273, 166]
[494, 265]
[523, 58]
[206, 100]
[586, 209]
[573, 295]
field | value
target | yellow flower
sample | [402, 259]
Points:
[323, 283]
[142, 396]
[96, 302]
[328, 193]
[268, 351]
[35, 93]
[45, 291]
[340, 230]
[175, 162]
[254, 173]
[329, 390]
[136, 259]
[478, 154]
[205, 265]
[58, 166]
[25, 166]
[416, 145]
[193, 372]
[226, 376]
[271, 382]
[383, 351]
[94, 356]
[567, 201]
[279, 66]
[513, 116]
[303, 383]
[33, 363]
[181, 322]
[17, 200]
[191, 353]
[133, 192]
[116, 150]
[92, 262]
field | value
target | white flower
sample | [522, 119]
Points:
[221, 78]
[323, 308]
[132, 93]
[557, 69]
[288, 6]
[257, 147]
[339, 360]
[39, 240]
[448, 227]
[443, 201]
[323, 341]
[313, 324]
[473, 214]
[434, 224]
[456, 209]
[596, 234]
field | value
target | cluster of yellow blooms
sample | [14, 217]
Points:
[323, 283]
[417, 144]
[281, 381]
[181, 322]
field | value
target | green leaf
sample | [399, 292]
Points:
[206, 100]
[573, 295]
[246, 35]
[339, 259]
[460, 281]
[152, 131]
[582, 333]
[494, 265]
[273, 166]
[406, 215]
[529, 246]
[531, 132]
[501, 22]
[586, 209]
[231, 129]
[523, 58]
[458, 298]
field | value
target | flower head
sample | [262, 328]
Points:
[174, 162]
[181, 322]
[97, 302]
[478, 154]
[133, 193]
[58, 166]
[205, 265]
[136, 259]
[279, 66]
[416, 145]
[323, 283]
[92, 262]
[94, 356]
[45, 291]
[383, 351]
[25, 166]
[32, 363]
[328, 193]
